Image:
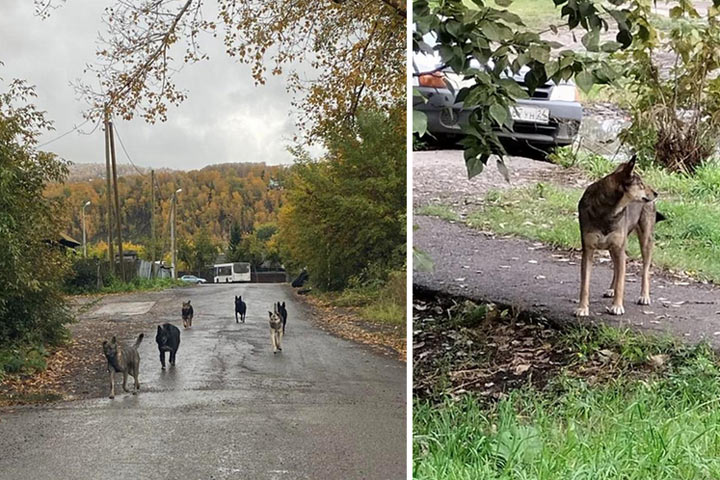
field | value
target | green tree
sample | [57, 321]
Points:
[32, 264]
[344, 214]
[472, 32]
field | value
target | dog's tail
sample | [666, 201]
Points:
[659, 217]
[139, 339]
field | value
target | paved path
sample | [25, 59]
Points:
[516, 272]
[325, 408]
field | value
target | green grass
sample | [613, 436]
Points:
[688, 240]
[380, 303]
[141, 284]
[638, 424]
[538, 15]
[441, 211]
[23, 360]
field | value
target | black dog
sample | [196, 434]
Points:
[282, 311]
[168, 340]
[301, 279]
[240, 308]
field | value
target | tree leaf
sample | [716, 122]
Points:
[499, 113]
[475, 164]
[419, 123]
[584, 80]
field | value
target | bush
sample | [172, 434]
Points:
[345, 214]
[32, 264]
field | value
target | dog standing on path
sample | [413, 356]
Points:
[125, 360]
[187, 314]
[168, 340]
[276, 331]
[240, 309]
[609, 210]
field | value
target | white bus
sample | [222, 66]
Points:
[231, 272]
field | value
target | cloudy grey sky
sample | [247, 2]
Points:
[226, 118]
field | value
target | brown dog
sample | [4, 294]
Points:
[609, 210]
[125, 360]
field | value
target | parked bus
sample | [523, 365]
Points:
[231, 272]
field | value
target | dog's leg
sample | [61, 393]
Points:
[125, 375]
[272, 339]
[162, 358]
[646, 247]
[236, 317]
[610, 292]
[583, 309]
[112, 382]
[618, 257]
[172, 357]
[279, 340]
[135, 376]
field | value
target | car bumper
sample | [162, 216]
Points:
[447, 118]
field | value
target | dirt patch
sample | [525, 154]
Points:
[461, 347]
[77, 369]
[347, 323]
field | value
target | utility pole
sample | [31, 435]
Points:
[152, 215]
[83, 227]
[111, 256]
[117, 201]
[172, 231]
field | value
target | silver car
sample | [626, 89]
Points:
[550, 117]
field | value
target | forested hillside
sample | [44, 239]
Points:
[212, 199]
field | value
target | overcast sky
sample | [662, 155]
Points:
[226, 118]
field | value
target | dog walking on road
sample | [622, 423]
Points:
[125, 360]
[187, 314]
[240, 309]
[276, 333]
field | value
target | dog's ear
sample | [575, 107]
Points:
[104, 343]
[270, 314]
[113, 340]
[159, 329]
[629, 166]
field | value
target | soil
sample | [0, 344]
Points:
[494, 354]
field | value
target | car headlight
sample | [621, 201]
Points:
[565, 92]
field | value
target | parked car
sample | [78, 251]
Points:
[550, 117]
[192, 279]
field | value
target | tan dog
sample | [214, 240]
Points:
[609, 210]
[122, 359]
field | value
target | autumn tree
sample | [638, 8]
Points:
[356, 50]
[345, 212]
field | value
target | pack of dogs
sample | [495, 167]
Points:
[125, 359]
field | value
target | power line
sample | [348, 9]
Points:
[75, 128]
[122, 145]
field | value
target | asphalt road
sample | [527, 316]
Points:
[534, 278]
[324, 408]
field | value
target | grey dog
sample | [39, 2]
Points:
[123, 359]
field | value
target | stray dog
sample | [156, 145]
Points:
[122, 359]
[168, 340]
[187, 314]
[609, 210]
[282, 311]
[276, 331]
[240, 308]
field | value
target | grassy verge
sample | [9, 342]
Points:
[688, 240]
[135, 285]
[591, 403]
[377, 303]
[539, 15]
[441, 211]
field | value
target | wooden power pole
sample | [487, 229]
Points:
[152, 215]
[111, 256]
[117, 201]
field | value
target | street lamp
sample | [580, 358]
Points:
[83, 227]
[172, 231]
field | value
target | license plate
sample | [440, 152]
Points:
[523, 113]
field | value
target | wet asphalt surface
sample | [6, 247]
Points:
[539, 280]
[324, 408]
